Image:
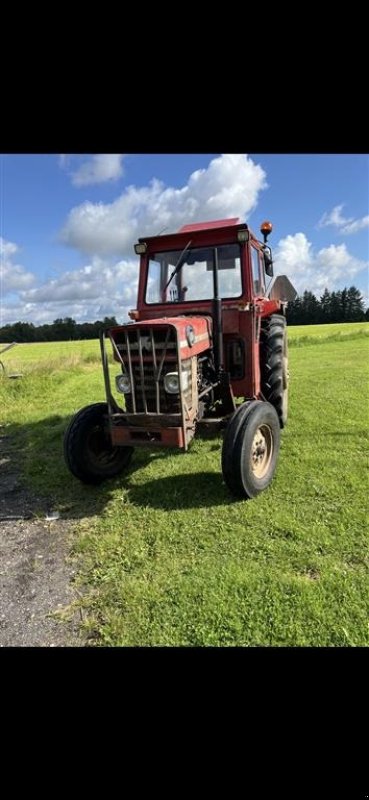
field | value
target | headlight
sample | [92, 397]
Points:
[140, 248]
[123, 384]
[171, 382]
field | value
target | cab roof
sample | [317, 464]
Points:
[204, 226]
[199, 230]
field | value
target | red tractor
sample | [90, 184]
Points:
[207, 347]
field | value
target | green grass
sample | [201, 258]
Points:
[168, 557]
[326, 331]
[24, 357]
[301, 335]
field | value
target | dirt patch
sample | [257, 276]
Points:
[35, 576]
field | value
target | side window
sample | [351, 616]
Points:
[255, 270]
[153, 282]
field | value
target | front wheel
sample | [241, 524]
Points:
[88, 451]
[250, 449]
[274, 364]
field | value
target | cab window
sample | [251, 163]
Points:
[258, 278]
[176, 278]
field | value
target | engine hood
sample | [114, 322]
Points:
[194, 334]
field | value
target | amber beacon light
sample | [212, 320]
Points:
[266, 228]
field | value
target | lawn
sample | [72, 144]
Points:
[166, 556]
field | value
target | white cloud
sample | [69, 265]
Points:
[229, 186]
[98, 289]
[45, 313]
[99, 169]
[12, 276]
[346, 225]
[356, 225]
[331, 267]
[334, 218]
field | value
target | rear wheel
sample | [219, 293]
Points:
[250, 449]
[88, 451]
[274, 364]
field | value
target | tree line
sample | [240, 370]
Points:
[342, 306]
[60, 330]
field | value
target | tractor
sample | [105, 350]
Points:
[206, 348]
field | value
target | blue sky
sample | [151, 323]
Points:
[68, 223]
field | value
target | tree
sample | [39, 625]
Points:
[325, 303]
[335, 307]
[310, 308]
[294, 312]
[344, 304]
[109, 322]
[355, 305]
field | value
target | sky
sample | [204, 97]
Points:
[68, 222]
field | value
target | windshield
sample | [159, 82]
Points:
[194, 277]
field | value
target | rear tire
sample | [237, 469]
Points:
[250, 449]
[88, 451]
[274, 364]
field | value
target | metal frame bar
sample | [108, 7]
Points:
[181, 391]
[157, 387]
[133, 387]
[142, 374]
[164, 354]
[217, 304]
[112, 405]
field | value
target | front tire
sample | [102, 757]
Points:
[88, 451]
[274, 364]
[250, 449]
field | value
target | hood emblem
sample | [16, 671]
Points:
[190, 335]
[146, 343]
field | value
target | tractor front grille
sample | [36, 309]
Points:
[158, 401]
[148, 353]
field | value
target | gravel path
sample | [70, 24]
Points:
[34, 574]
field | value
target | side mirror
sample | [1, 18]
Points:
[268, 261]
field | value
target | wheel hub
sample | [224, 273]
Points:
[261, 451]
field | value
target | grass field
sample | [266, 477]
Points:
[27, 356]
[166, 556]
